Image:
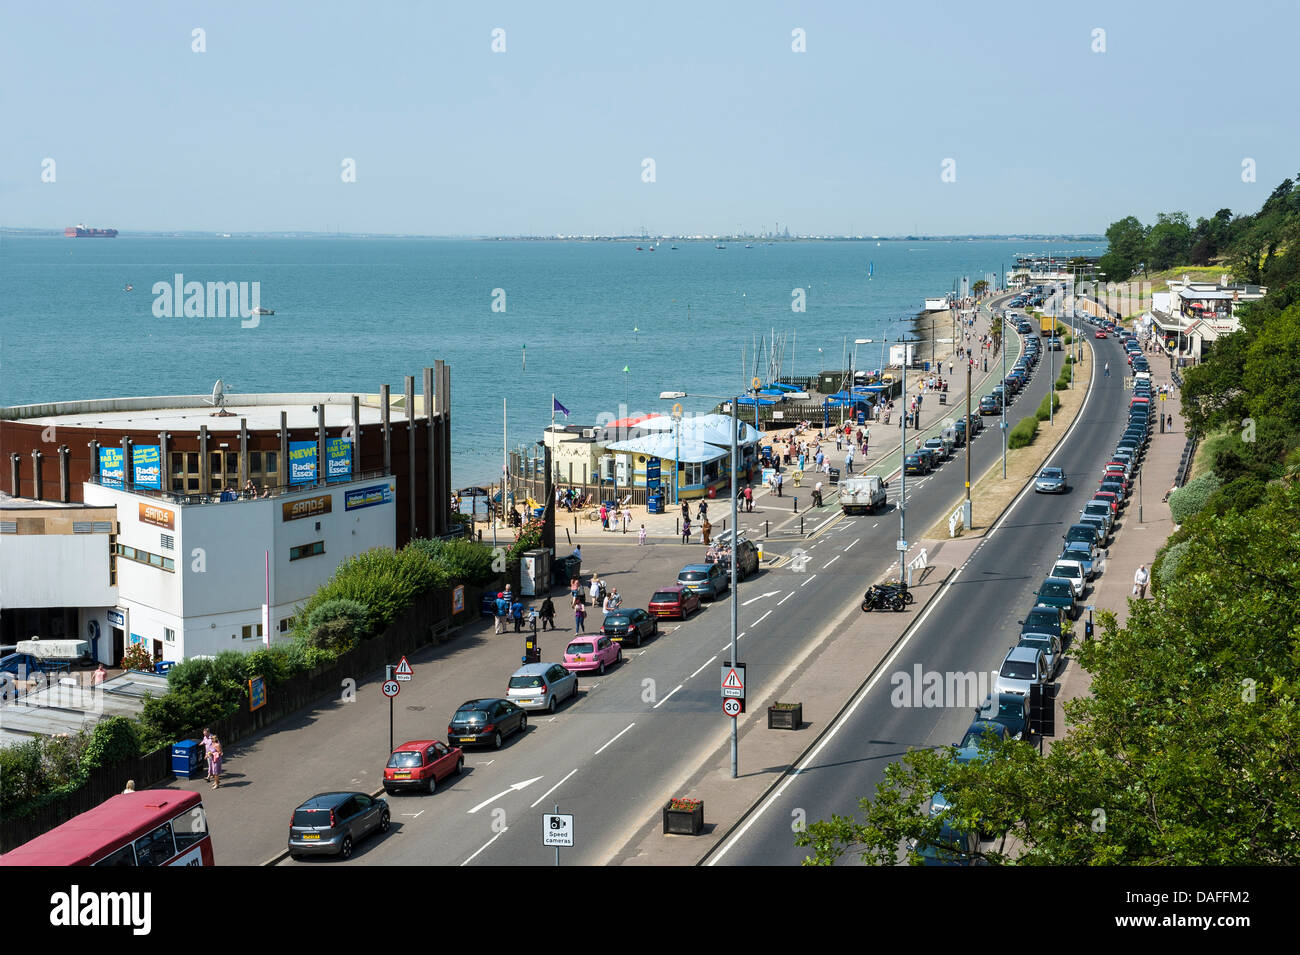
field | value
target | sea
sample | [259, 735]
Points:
[600, 326]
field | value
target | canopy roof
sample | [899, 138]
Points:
[708, 428]
[664, 444]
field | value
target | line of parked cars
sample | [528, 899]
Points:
[1045, 632]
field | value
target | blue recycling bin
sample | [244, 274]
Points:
[927, 366]
[189, 759]
[655, 504]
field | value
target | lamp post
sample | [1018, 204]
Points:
[735, 540]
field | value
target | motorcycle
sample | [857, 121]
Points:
[883, 597]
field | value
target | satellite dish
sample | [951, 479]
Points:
[218, 399]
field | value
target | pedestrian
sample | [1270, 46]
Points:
[779, 481]
[686, 511]
[98, 676]
[749, 497]
[686, 531]
[575, 586]
[866, 442]
[1173, 487]
[641, 536]
[615, 600]
[627, 517]
[607, 605]
[517, 613]
[579, 617]
[130, 787]
[214, 762]
[502, 607]
[839, 442]
[848, 462]
[703, 512]
[1140, 578]
[705, 530]
[548, 614]
[207, 751]
[604, 517]
[597, 590]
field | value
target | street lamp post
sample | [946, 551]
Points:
[735, 542]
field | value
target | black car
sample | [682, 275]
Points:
[1085, 532]
[630, 626]
[332, 823]
[1050, 621]
[485, 721]
[1009, 709]
[916, 464]
[990, 404]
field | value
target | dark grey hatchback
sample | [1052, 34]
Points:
[332, 823]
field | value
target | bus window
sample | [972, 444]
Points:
[189, 828]
[157, 847]
[123, 856]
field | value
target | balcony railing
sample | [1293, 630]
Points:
[230, 495]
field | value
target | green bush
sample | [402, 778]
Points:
[22, 775]
[61, 757]
[1067, 340]
[113, 741]
[465, 561]
[182, 715]
[1191, 497]
[352, 613]
[274, 664]
[1044, 412]
[1023, 433]
[1165, 569]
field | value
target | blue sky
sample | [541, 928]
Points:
[450, 138]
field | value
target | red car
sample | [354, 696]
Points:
[674, 601]
[1101, 333]
[1109, 496]
[421, 765]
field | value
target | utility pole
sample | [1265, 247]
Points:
[1002, 338]
[966, 514]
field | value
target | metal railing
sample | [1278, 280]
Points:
[230, 495]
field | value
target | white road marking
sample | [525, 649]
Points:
[665, 699]
[770, 593]
[486, 844]
[877, 524]
[855, 540]
[808, 581]
[620, 733]
[785, 598]
[506, 792]
[831, 561]
[553, 788]
[710, 660]
[414, 815]
[759, 620]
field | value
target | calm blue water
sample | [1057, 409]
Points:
[354, 313]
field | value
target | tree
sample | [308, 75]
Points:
[1127, 242]
[1169, 241]
[1185, 752]
[979, 288]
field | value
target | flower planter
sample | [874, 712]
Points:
[785, 716]
[687, 820]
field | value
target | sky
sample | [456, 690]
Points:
[895, 118]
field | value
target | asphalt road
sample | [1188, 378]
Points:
[966, 630]
[611, 757]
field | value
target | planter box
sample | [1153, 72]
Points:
[684, 822]
[785, 719]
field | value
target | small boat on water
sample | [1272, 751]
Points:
[261, 310]
[129, 288]
[639, 249]
[719, 246]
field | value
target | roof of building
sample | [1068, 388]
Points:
[664, 445]
[60, 708]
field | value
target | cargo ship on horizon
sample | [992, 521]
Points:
[81, 232]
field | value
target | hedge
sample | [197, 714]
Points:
[1191, 497]
[1043, 412]
[1023, 433]
[1165, 570]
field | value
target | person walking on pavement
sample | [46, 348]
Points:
[579, 617]
[686, 531]
[1140, 578]
[848, 462]
[749, 497]
[703, 512]
[779, 481]
[517, 613]
[502, 609]
[548, 614]
[214, 762]
[686, 511]
[207, 750]
[641, 536]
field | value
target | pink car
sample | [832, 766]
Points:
[592, 654]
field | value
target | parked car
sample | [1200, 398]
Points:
[1051, 648]
[1045, 620]
[990, 404]
[476, 722]
[1056, 592]
[420, 765]
[1100, 509]
[1083, 532]
[674, 601]
[629, 625]
[1051, 481]
[704, 580]
[1009, 709]
[1072, 570]
[1021, 668]
[748, 560]
[1110, 497]
[585, 655]
[989, 732]
[541, 686]
[938, 449]
[1103, 527]
[332, 823]
[916, 464]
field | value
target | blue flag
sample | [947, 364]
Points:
[556, 406]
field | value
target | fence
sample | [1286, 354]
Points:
[428, 620]
[1185, 462]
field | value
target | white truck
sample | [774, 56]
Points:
[862, 495]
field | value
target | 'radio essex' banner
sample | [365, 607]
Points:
[146, 463]
[302, 462]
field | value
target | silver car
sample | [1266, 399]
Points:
[541, 686]
[332, 823]
[1021, 668]
[1050, 481]
[1051, 647]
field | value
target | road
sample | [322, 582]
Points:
[611, 757]
[966, 630]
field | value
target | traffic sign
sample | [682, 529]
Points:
[391, 688]
[902, 545]
[733, 681]
[557, 829]
[403, 671]
[732, 707]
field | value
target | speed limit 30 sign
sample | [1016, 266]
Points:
[391, 688]
[732, 707]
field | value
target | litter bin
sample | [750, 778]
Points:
[833, 475]
[927, 366]
[488, 605]
[943, 397]
[189, 759]
[655, 504]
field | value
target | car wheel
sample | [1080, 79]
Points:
[496, 740]
[432, 785]
[523, 723]
[550, 705]
[574, 694]
[385, 821]
[460, 766]
[345, 848]
[618, 656]
[600, 671]
[636, 639]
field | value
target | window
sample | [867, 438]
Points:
[167, 541]
[169, 635]
[123, 856]
[694, 474]
[313, 549]
[144, 557]
[286, 624]
[157, 847]
[185, 471]
[263, 468]
[252, 631]
[190, 828]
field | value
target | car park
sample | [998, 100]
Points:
[1056, 592]
[585, 655]
[332, 823]
[673, 601]
[419, 765]
[541, 686]
[1051, 481]
[490, 721]
[1071, 570]
[1051, 649]
[704, 580]
[1021, 668]
[630, 626]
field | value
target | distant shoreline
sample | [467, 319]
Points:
[16, 232]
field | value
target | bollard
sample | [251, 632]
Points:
[678, 524]
[796, 503]
[767, 528]
[801, 527]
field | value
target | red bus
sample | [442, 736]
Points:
[150, 827]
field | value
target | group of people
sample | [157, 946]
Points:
[611, 515]
[214, 754]
[607, 599]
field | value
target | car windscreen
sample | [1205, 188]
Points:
[976, 734]
[470, 716]
[1049, 620]
[692, 575]
[404, 760]
[1050, 473]
[1055, 590]
[579, 648]
[1098, 510]
[1019, 670]
[525, 682]
[1081, 533]
[1066, 570]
